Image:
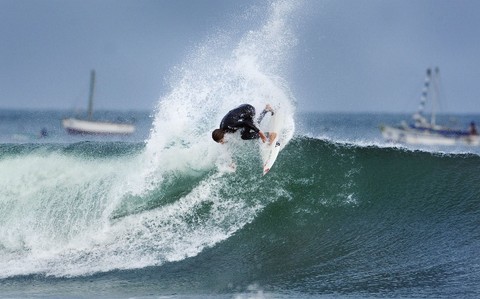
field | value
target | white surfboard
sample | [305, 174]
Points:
[270, 149]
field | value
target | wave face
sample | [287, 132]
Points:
[92, 207]
[371, 220]
[329, 218]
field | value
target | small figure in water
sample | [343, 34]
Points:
[473, 129]
[241, 118]
[43, 133]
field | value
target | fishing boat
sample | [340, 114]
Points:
[90, 126]
[424, 131]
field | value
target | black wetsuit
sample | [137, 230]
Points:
[242, 118]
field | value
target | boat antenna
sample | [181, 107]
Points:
[90, 98]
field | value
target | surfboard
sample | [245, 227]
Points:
[270, 149]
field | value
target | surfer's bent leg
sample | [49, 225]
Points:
[261, 116]
[268, 108]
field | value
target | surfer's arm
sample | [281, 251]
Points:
[249, 125]
[262, 136]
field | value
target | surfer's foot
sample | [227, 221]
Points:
[271, 137]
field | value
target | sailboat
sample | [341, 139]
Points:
[90, 126]
[425, 131]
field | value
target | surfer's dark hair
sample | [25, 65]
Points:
[218, 134]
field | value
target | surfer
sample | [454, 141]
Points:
[241, 118]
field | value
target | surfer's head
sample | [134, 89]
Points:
[218, 135]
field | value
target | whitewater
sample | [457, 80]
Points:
[72, 214]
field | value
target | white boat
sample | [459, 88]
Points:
[90, 126]
[80, 126]
[422, 131]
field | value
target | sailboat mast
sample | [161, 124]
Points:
[418, 117]
[435, 98]
[90, 98]
[426, 87]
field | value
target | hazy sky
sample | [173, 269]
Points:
[351, 55]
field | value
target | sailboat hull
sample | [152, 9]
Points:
[79, 126]
[428, 137]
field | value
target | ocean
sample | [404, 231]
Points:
[341, 214]
[162, 214]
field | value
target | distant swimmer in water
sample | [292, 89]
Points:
[43, 133]
[241, 118]
[473, 129]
